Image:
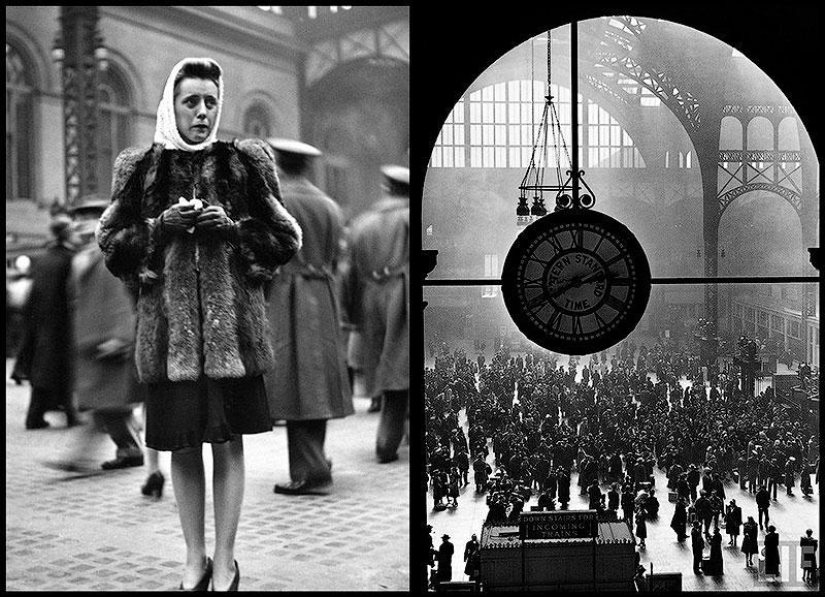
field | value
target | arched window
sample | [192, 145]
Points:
[788, 135]
[19, 125]
[760, 134]
[113, 130]
[731, 134]
[760, 137]
[449, 145]
[256, 122]
[503, 120]
[609, 145]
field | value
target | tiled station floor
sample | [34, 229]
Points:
[791, 516]
[98, 533]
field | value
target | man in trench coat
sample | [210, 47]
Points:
[308, 384]
[377, 299]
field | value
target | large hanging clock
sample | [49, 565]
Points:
[576, 281]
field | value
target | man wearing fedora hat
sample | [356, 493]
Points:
[445, 559]
[308, 384]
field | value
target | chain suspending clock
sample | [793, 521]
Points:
[575, 281]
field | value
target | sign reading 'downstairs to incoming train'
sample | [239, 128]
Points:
[558, 524]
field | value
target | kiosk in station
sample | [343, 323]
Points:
[557, 550]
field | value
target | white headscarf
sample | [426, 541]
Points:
[166, 129]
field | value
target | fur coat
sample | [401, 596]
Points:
[200, 297]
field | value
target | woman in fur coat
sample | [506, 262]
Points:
[196, 230]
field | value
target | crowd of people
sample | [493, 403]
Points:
[603, 422]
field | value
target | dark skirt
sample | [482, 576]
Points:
[186, 414]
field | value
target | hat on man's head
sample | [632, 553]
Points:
[445, 536]
[89, 203]
[396, 179]
[293, 147]
[292, 155]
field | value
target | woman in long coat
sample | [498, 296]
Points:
[196, 230]
[750, 534]
[679, 520]
[641, 527]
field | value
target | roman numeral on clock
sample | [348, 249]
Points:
[555, 320]
[577, 325]
[620, 281]
[577, 234]
[614, 259]
[536, 301]
[614, 303]
[555, 243]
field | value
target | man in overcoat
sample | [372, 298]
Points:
[377, 299]
[763, 503]
[103, 325]
[445, 559]
[308, 384]
[45, 355]
[470, 548]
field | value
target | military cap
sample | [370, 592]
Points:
[396, 179]
[293, 147]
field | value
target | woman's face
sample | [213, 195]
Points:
[196, 106]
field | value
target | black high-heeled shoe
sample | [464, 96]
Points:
[153, 485]
[235, 581]
[203, 583]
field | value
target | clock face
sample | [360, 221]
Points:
[576, 282]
